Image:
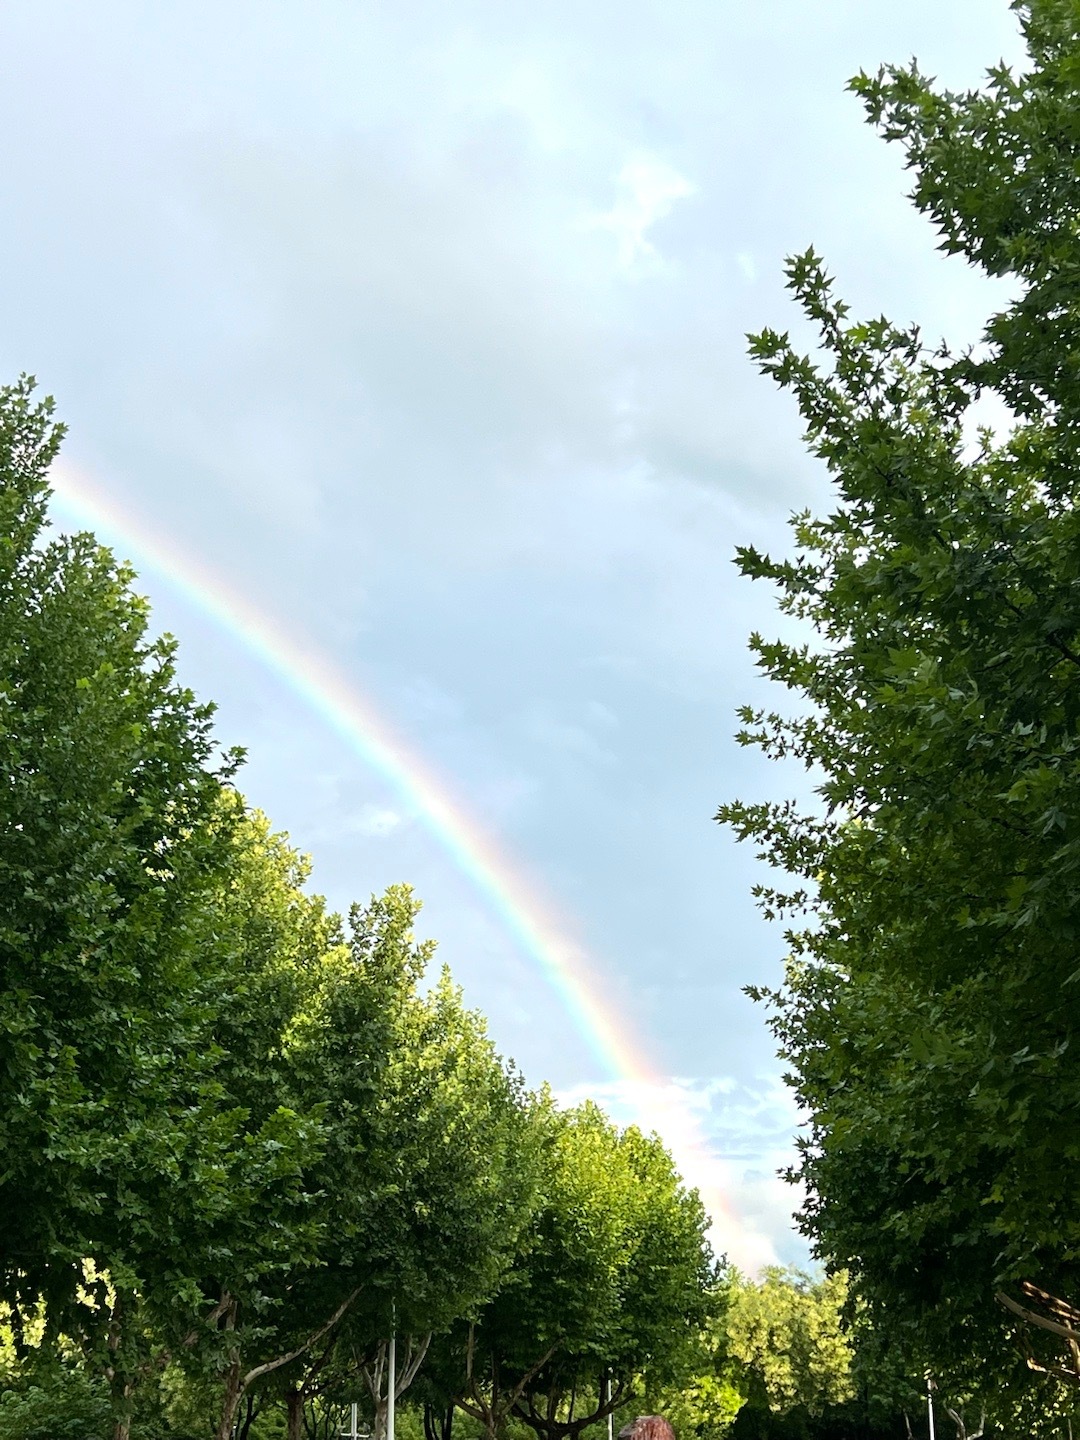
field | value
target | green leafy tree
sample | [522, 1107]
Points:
[205, 1252]
[610, 1286]
[423, 1181]
[115, 824]
[153, 940]
[55, 1403]
[929, 1016]
[786, 1358]
[705, 1402]
[785, 1334]
[107, 809]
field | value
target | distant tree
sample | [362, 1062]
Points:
[786, 1338]
[929, 1017]
[611, 1286]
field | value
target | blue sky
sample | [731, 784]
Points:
[424, 325]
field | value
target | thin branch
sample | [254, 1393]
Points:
[271, 1365]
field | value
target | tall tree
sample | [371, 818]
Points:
[232, 1209]
[785, 1334]
[929, 1015]
[112, 829]
[424, 1181]
[151, 933]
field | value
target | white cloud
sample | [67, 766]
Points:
[647, 192]
[729, 1139]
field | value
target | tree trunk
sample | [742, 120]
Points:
[251, 1409]
[230, 1399]
[376, 1369]
[294, 1414]
[549, 1426]
[438, 1424]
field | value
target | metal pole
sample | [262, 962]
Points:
[392, 1383]
[611, 1417]
[930, 1402]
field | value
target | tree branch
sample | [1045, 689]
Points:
[1065, 1331]
[271, 1365]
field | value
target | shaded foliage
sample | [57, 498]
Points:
[929, 1016]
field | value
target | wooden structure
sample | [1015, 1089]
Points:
[1053, 1316]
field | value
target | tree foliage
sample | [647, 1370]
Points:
[928, 1015]
[609, 1290]
[785, 1335]
[112, 833]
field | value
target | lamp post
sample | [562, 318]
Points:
[391, 1376]
[930, 1402]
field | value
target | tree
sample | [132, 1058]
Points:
[424, 1180]
[785, 1335]
[705, 1402]
[611, 1285]
[153, 941]
[115, 825]
[786, 1358]
[928, 1014]
[232, 1208]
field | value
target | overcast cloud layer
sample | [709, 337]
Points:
[424, 324]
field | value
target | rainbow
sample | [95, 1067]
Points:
[332, 695]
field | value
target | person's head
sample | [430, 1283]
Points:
[647, 1427]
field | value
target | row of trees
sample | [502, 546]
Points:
[241, 1141]
[772, 1361]
[929, 1015]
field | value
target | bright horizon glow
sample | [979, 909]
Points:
[340, 704]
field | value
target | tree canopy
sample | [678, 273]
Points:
[928, 1016]
[609, 1289]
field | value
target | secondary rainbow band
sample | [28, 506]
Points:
[335, 699]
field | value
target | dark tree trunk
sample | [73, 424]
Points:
[548, 1426]
[438, 1424]
[294, 1414]
[251, 1409]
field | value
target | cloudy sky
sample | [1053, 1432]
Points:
[422, 325]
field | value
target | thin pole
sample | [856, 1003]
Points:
[930, 1402]
[611, 1417]
[354, 1431]
[391, 1387]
